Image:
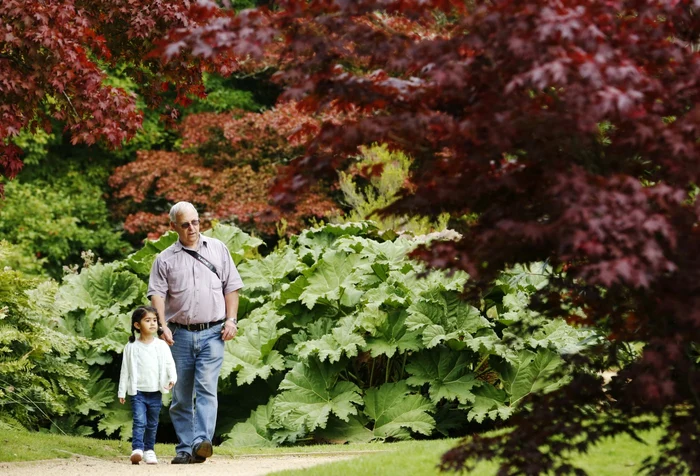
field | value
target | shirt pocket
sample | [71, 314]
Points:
[217, 297]
[178, 280]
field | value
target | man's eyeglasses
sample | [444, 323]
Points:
[187, 224]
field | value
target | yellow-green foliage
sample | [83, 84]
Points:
[381, 191]
[19, 258]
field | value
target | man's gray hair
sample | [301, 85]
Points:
[181, 207]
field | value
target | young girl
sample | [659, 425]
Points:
[148, 369]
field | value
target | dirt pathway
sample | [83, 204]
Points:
[215, 466]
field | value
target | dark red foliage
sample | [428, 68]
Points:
[570, 128]
[52, 60]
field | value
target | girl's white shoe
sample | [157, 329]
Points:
[149, 457]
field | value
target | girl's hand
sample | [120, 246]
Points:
[121, 400]
[170, 385]
[167, 335]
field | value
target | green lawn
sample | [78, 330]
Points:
[18, 445]
[410, 458]
[612, 458]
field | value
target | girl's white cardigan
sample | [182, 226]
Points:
[129, 373]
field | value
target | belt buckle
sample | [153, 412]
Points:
[197, 327]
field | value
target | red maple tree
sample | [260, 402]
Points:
[570, 128]
[53, 61]
[226, 166]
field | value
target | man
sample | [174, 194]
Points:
[198, 312]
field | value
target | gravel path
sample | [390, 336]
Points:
[215, 466]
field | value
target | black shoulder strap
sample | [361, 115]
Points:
[202, 260]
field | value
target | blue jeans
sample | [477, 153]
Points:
[146, 409]
[198, 357]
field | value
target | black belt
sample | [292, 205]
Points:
[197, 327]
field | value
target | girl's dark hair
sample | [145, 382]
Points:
[139, 314]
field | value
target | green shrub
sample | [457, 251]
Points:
[40, 376]
[20, 259]
[222, 96]
[56, 222]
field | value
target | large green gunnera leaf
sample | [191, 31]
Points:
[263, 274]
[447, 374]
[443, 316]
[389, 334]
[489, 402]
[141, 261]
[311, 391]
[531, 373]
[255, 431]
[341, 341]
[339, 432]
[251, 354]
[117, 417]
[239, 243]
[101, 286]
[334, 279]
[396, 411]
[102, 391]
[558, 335]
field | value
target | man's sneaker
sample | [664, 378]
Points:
[149, 457]
[136, 456]
[182, 458]
[203, 449]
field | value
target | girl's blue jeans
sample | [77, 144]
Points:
[146, 409]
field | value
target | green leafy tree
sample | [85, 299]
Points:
[57, 221]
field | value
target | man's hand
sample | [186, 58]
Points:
[167, 335]
[228, 330]
[159, 303]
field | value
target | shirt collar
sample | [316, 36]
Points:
[202, 241]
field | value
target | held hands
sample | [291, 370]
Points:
[122, 400]
[167, 335]
[170, 385]
[229, 330]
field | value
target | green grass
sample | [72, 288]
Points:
[419, 458]
[410, 458]
[17, 445]
[621, 456]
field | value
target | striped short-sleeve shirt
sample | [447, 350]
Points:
[193, 294]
